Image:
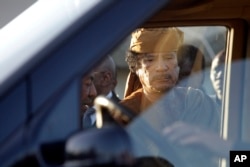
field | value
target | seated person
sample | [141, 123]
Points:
[88, 94]
[217, 75]
[105, 78]
[152, 92]
[104, 81]
[154, 72]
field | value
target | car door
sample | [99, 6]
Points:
[51, 51]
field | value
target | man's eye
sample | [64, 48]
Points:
[149, 59]
[88, 82]
[169, 56]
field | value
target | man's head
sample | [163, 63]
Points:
[153, 58]
[88, 92]
[217, 73]
[105, 76]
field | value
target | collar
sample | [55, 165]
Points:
[109, 95]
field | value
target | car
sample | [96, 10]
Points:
[45, 51]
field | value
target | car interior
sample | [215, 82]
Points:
[44, 60]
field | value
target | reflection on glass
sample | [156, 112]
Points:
[172, 96]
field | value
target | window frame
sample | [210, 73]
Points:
[231, 127]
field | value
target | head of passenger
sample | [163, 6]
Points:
[153, 58]
[88, 92]
[105, 77]
[191, 61]
[217, 73]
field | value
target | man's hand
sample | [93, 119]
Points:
[189, 135]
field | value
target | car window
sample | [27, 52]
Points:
[209, 40]
[198, 108]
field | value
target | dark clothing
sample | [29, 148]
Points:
[89, 118]
[114, 97]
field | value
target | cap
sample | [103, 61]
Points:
[156, 40]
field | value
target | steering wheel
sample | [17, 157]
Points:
[108, 112]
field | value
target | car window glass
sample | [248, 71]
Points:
[196, 56]
[206, 42]
[189, 105]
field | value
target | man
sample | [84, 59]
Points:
[154, 71]
[217, 75]
[88, 94]
[154, 63]
[105, 79]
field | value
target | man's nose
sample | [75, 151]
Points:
[92, 91]
[161, 65]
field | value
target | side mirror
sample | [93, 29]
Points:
[108, 146]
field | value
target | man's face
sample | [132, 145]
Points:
[102, 78]
[217, 76]
[88, 93]
[98, 80]
[158, 72]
